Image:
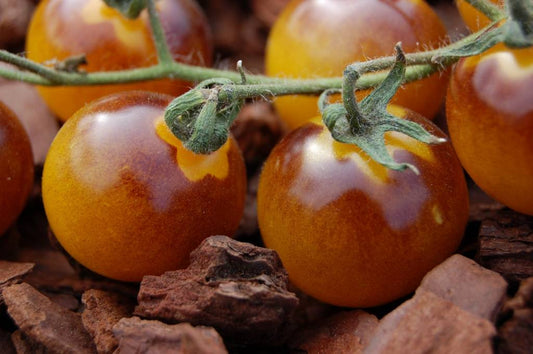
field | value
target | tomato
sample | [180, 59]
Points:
[64, 28]
[474, 19]
[16, 167]
[351, 232]
[126, 199]
[489, 113]
[320, 38]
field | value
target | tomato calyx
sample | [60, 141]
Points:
[364, 124]
[128, 8]
[201, 118]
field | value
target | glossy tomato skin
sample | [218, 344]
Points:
[126, 199]
[316, 38]
[16, 167]
[350, 232]
[489, 113]
[474, 19]
[64, 28]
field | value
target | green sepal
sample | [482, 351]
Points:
[128, 8]
[200, 119]
[211, 128]
[181, 113]
[366, 123]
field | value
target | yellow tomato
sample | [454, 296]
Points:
[320, 38]
[351, 232]
[489, 111]
[126, 199]
[64, 28]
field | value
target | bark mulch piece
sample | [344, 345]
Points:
[45, 322]
[237, 288]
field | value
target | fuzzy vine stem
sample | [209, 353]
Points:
[161, 45]
[420, 64]
[348, 97]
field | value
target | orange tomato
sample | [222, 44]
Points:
[489, 112]
[351, 232]
[16, 167]
[320, 38]
[126, 199]
[64, 28]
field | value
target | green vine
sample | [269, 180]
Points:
[202, 117]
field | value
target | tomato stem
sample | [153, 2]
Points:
[420, 64]
[348, 97]
[163, 52]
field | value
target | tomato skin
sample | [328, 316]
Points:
[474, 19]
[122, 204]
[316, 38]
[64, 28]
[350, 232]
[16, 167]
[490, 120]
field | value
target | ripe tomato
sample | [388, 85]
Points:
[474, 19]
[125, 198]
[63, 28]
[490, 118]
[16, 167]
[319, 38]
[351, 232]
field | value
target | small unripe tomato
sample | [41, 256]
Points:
[489, 111]
[351, 232]
[64, 28]
[474, 19]
[16, 167]
[316, 38]
[124, 197]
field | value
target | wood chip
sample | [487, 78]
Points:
[236, 287]
[12, 273]
[429, 324]
[465, 283]
[506, 244]
[145, 336]
[102, 311]
[45, 322]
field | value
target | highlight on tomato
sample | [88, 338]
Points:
[351, 232]
[16, 167]
[316, 38]
[123, 196]
[489, 112]
[60, 29]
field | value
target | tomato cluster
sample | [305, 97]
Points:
[125, 198]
